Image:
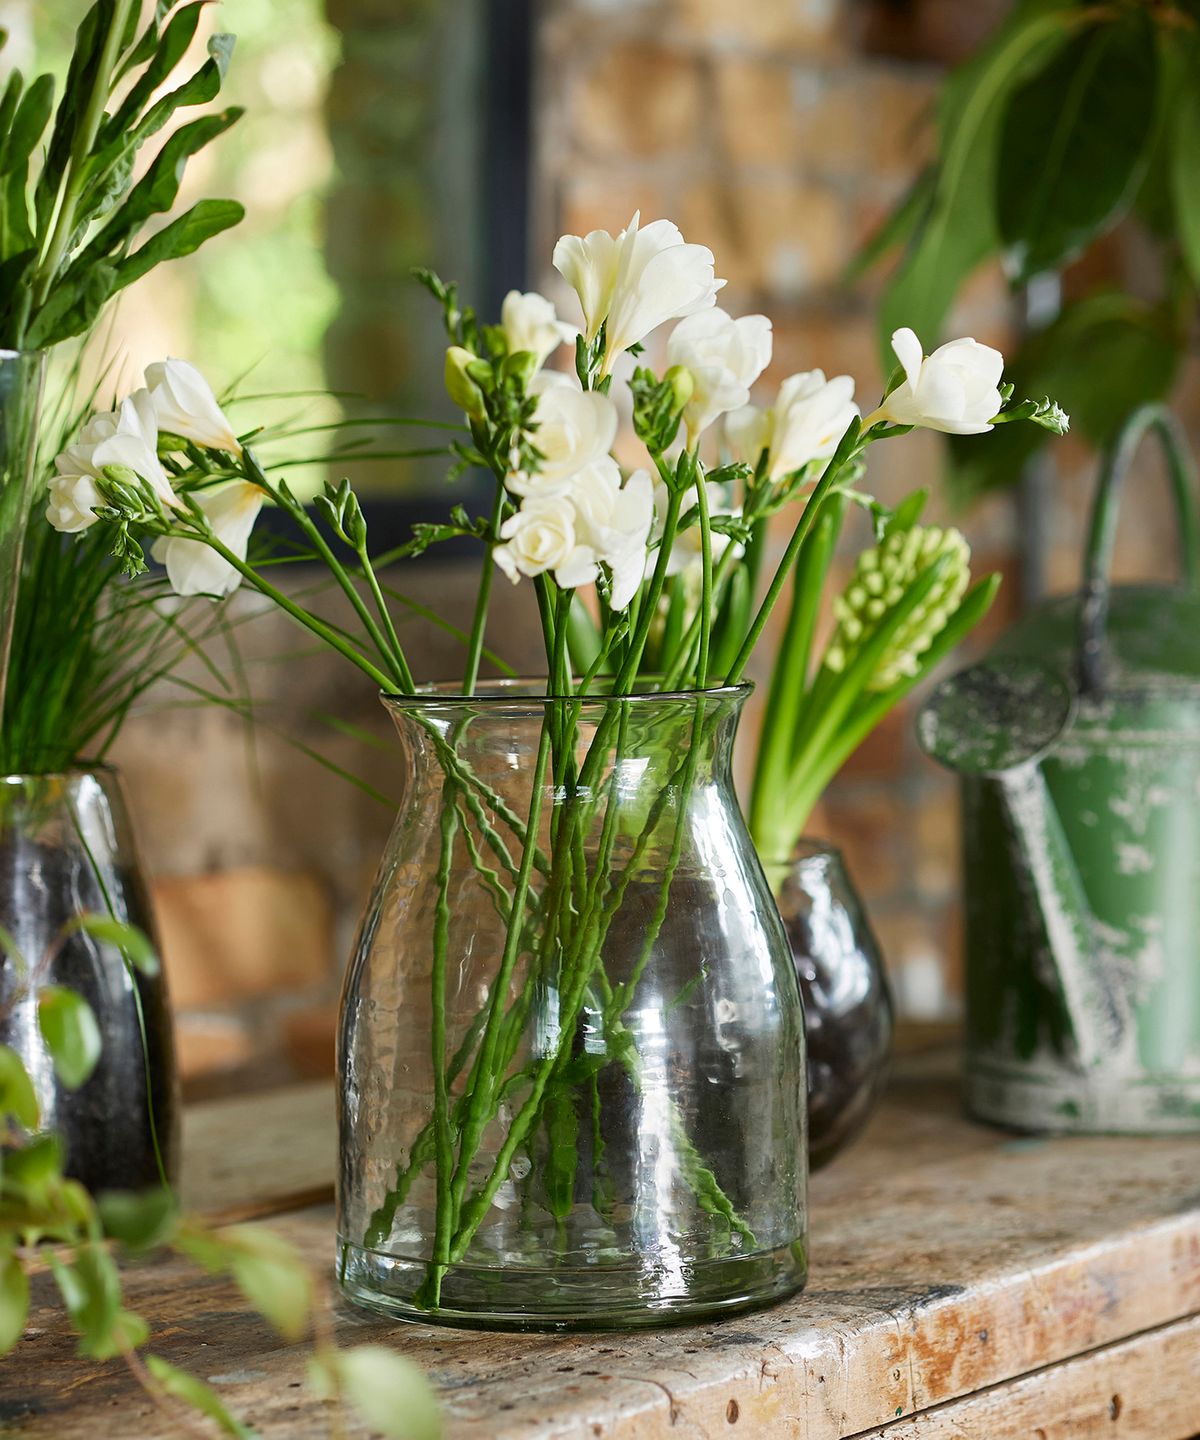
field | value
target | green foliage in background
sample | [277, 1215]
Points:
[49, 1221]
[263, 304]
[1073, 118]
[76, 188]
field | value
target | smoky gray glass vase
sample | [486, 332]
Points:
[67, 851]
[571, 1042]
[848, 1010]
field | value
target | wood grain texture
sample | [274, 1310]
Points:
[949, 1260]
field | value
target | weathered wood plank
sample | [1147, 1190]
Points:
[947, 1258]
[259, 1154]
[1146, 1388]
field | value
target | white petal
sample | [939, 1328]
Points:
[909, 353]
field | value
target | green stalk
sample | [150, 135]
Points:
[629, 671]
[706, 580]
[85, 137]
[385, 615]
[484, 594]
[444, 1221]
[298, 613]
[841, 457]
[779, 741]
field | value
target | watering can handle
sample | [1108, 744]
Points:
[1097, 571]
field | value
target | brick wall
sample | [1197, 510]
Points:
[776, 131]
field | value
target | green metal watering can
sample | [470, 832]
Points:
[1078, 746]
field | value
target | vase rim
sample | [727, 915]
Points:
[531, 692]
[81, 767]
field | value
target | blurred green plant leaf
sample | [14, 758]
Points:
[390, 1393]
[134, 943]
[71, 1032]
[33, 1165]
[182, 1386]
[959, 227]
[139, 1220]
[1185, 160]
[266, 1268]
[17, 1096]
[91, 1291]
[1073, 144]
[14, 1299]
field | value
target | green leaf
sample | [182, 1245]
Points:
[139, 1220]
[71, 1032]
[1185, 163]
[181, 237]
[959, 229]
[271, 1275]
[91, 1291]
[72, 308]
[31, 1166]
[29, 124]
[134, 944]
[182, 1386]
[14, 1299]
[390, 1393]
[17, 1098]
[169, 49]
[1074, 144]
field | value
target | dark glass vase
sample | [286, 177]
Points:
[66, 850]
[571, 1043]
[848, 1017]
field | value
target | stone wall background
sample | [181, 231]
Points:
[776, 131]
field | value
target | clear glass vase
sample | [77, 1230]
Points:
[571, 1041]
[21, 373]
[66, 850]
[848, 1014]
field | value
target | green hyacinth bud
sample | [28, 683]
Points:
[882, 577]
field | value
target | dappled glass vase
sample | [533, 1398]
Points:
[66, 853]
[847, 1002]
[571, 1042]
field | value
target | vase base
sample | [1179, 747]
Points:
[591, 1298]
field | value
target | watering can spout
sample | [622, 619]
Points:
[996, 721]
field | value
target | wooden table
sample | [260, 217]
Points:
[967, 1285]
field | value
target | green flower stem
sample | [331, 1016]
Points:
[390, 654]
[483, 1075]
[385, 615]
[706, 580]
[780, 738]
[444, 1222]
[84, 138]
[842, 456]
[298, 613]
[484, 595]
[675, 673]
[629, 670]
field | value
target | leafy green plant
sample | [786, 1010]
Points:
[1074, 118]
[49, 1221]
[72, 207]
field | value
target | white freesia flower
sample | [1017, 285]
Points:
[615, 521]
[724, 357]
[809, 417]
[544, 535]
[575, 429]
[195, 569]
[637, 281]
[748, 433]
[956, 389]
[127, 437]
[530, 323]
[185, 405]
[687, 552]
